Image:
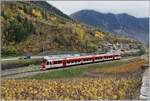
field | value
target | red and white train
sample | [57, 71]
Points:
[77, 60]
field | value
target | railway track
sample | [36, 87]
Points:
[28, 71]
[18, 75]
[21, 74]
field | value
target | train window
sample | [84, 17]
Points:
[48, 63]
[59, 62]
[54, 62]
[68, 61]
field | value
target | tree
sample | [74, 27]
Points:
[99, 34]
[18, 29]
[36, 13]
[81, 34]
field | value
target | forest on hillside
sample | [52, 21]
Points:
[27, 27]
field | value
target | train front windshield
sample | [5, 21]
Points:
[44, 61]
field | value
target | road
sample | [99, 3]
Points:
[17, 58]
[145, 93]
[145, 90]
[39, 57]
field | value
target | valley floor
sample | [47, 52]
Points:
[117, 80]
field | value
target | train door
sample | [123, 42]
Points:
[43, 64]
[93, 59]
[113, 57]
[82, 60]
[64, 63]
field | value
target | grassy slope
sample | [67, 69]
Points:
[10, 64]
[74, 71]
[112, 67]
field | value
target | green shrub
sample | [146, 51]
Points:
[9, 50]
[142, 51]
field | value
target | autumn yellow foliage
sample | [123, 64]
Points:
[36, 13]
[63, 89]
[81, 33]
[99, 34]
[53, 18]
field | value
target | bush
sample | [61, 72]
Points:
[91, 47]
[9, 50]
[142, 51]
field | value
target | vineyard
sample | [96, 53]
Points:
[77, 89]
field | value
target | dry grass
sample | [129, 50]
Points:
[131, 66]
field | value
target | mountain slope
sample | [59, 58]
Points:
[28, 28]
[122, 24]
[49, 8]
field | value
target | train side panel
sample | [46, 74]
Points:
[77, 61]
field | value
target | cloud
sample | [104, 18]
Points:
[135, 8]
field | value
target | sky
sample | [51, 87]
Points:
[134, 8]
